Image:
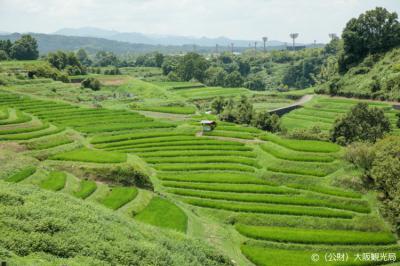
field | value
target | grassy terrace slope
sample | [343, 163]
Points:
[260, 198]
[322, 112]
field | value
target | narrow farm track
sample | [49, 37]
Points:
[250, 193]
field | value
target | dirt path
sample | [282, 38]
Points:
[286, 109]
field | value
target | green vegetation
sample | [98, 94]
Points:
[279, 197]
[303, 145]
[87, 187]
[163, 213]
[89, 155]
[307, 236]
[118, 197]
[21, 175]
[361, 124]
[55, 181]
[66, 225]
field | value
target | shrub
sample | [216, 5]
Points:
[361, 123]
[91, 83]
[123, 175]
[267, 122]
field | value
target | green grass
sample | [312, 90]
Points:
[92, 156]
[180, 147]
[123, 126]
[269, 208]
[268, 256]
[147, 136]
[118, 197]
[287, 154]
[163, 213]
[205, 166]
[208, 159]
[197, 153]
[314, 236]
[230, 134]
[302, 168]
[227, 187]
[21, 175]
[21, 118]
[23, 129]
[55, 181]
[48, 143]
[185, 110]
[32, 135]
[302, 145]
[215, 177]
[87, 187]
[328, 190]
[356, 206]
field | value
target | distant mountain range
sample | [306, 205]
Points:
[94, 40]
[153, 39]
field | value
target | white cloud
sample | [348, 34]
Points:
[313, 19]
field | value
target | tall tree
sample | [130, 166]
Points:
[374, 31]
[25, 48]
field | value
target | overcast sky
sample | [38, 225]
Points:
[239, 19]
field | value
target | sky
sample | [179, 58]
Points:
[237, 19]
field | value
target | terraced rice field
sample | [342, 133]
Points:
[273, 195]
[322, 112]
[161, 212]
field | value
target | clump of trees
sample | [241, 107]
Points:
[375, 31]
[361, 123]
[242, 112]
[67, 62]
[46, 71]
[91, 83]
[26, 48]
[380, 165]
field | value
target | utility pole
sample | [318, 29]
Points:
[265, 39]
[255, 49]
[294, 37]
[216, 48]
[232, 47]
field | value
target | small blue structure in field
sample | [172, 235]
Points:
[208, 125]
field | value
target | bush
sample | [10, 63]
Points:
[361, 123]
[266, 121]
[386, 171]
[91, 83]
[46, 71]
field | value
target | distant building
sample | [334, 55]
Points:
[208, 125]
[296, 48]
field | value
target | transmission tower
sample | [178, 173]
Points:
[294, 37]
[265, 39]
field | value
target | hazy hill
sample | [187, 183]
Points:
[135, 37]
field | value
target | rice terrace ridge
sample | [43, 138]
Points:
[135, 141]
